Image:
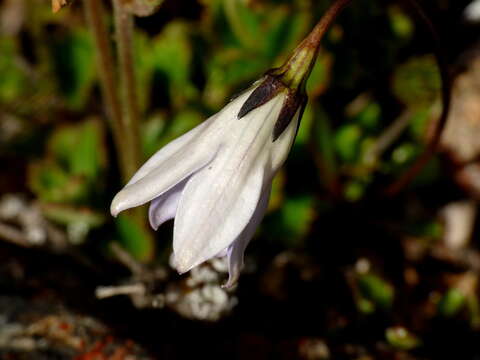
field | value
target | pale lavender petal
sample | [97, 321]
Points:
[168, 166]
[162, 178]
[236, 251]
[222, 253]
[220, 200]
[170, 149]
[212, 212]
[164, 207]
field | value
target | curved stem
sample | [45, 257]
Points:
[424, 158]
[299, 66]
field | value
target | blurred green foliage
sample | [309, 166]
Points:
[12, 85]
[451, 303]
[401, 338]
[75, 66]
[374, 293]
[187, 67]
[373, 96]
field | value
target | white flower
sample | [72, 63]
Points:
[472, 11]
[215, 180]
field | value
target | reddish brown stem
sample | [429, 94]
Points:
[424, 158]
[106, 71]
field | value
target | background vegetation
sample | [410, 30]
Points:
[340, 267]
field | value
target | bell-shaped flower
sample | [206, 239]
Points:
[215, 180]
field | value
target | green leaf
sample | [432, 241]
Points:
[80, 148]
[13, 78]
[451, 303]
[377, 290]
[171, 54]
[347, 142]
[73, 56]
[354, 190]
[419, 123]
[231, 70]
[320, 76]
[298, 215]
[144, 60]
[283, 27]
[365, 306]
[293, 220]
[244, 23]
[402, 26]
[401, 338]
[404, 153]
[88, 158]
[51, 183]
[238, 63]
[369, 117]
[417, 82]
[73, 164]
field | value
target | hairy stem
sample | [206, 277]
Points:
[316, 35]
[123, 121]
[298, 67]
[130, 113]
[106, 69]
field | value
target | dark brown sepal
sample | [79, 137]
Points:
[261, 95]
[292, 103]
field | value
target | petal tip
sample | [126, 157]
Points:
[182, 269]
[230, 284]
[115, 208]
[184, 263]
[118, 204]
[232, 280]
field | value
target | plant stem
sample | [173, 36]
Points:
[123, 121]
[106, 66]
[298, 67]
[431, 148]
[130, 113]
[316, 35]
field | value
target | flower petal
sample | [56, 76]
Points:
[219, 201]
[212, 213]
[163, 177]
[236, 250]
[178, 159]
[168, 150]
[164, 207]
